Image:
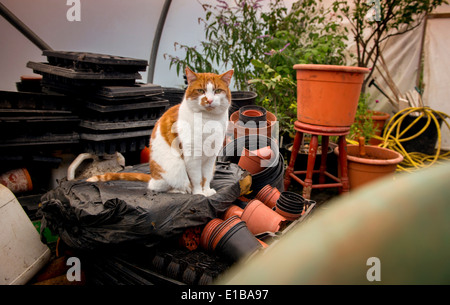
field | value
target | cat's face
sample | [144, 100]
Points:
[208, 92]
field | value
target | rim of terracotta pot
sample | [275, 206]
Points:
[333, 68]
[208, 230]
[379, 115]
[222, 230]
[394, 158]
[233, 210]
[271, 120]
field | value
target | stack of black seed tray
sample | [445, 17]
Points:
[36, 120]
[117, 113]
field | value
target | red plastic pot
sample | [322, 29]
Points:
[268, 195]
[260, 218]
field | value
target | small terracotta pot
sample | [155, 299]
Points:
[268, 195]
[260, 218]
[255, 161]
[17, 180]
[328, 95]
[253, 113]
[233, 210]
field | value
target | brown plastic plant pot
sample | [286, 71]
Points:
[260, 218]
[327, 95]
[268, 195]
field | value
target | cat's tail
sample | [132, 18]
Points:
[121, 176]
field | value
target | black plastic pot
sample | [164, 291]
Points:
[238, 243]
[253, 113]
[240, 99]
[273, 174]
[291, 202]
[425, 142]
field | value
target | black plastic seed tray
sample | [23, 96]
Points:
[35, 101]
[47, 139]
[94, 61]
[79, 87]
[109, 143]
[128, 92]
[125, 112]
[94, 126]
[40, 67]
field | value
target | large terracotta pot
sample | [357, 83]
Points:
[378, 163]
[328, 95]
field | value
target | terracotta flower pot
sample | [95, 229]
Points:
[240, 130]
[328, 95]
[378, 163]
[256, 160]
[233, 210]
[253, 113]
[268, 195]
[260, 218]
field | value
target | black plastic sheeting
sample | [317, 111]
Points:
[89, 216]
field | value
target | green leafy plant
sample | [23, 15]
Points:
[232, 38]
[363, 125]
[309, 34]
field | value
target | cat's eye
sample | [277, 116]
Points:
[217, 91]
[201, 91]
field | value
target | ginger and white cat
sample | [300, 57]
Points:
[187, 138]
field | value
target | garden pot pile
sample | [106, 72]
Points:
[272, 171]
[230, 238]
[290, 205]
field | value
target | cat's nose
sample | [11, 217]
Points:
[209, 101]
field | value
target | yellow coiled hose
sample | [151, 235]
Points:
[392, 138]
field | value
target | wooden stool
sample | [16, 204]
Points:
[342, 182]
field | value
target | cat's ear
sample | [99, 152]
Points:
[190, 75]
[226, 77]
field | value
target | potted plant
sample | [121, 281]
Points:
[309, 33]
[368, 123]
[369, 163]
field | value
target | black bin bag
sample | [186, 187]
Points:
[94, 215]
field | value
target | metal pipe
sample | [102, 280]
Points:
[156, 40]
[25, 30]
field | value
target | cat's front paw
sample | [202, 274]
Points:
[209, 192]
